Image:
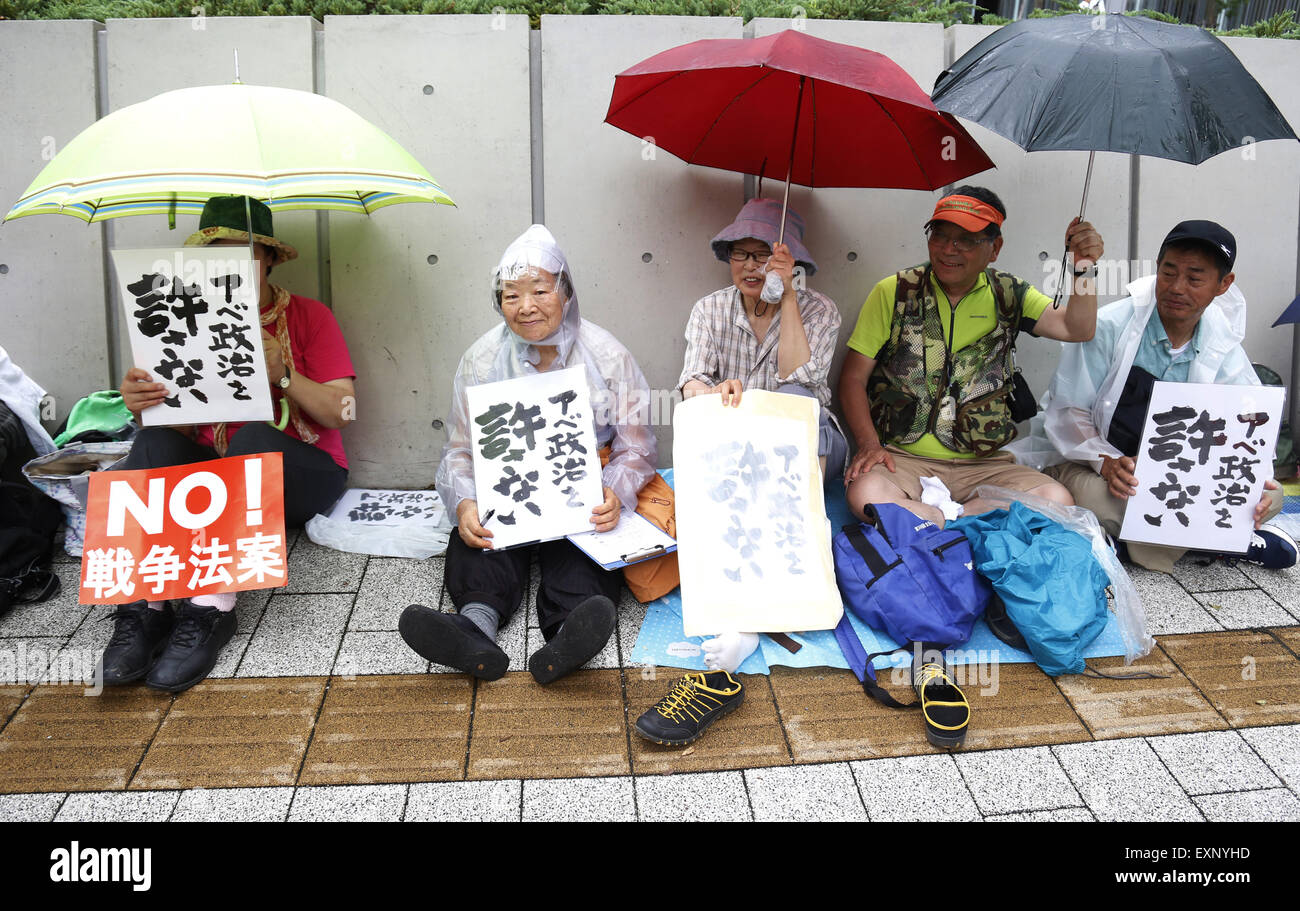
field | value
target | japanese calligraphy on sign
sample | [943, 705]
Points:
[394, 508]
[191, 315]
[536, 466]
[754, 547]
[199, 529]
[1205, 454]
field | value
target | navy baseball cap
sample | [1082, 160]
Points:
[1212, 233]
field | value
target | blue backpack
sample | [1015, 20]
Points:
[909, 578]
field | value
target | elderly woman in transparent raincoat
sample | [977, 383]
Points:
[541, 330]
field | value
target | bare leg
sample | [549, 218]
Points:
[1051, 490]
[872, 488]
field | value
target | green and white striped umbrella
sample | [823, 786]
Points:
[167, 155]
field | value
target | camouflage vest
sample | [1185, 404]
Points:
[963, 400]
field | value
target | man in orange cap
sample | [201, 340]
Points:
[927, 386]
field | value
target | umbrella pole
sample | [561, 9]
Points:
[789, 169]
[1087, 181]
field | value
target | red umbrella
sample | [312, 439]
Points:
[796, 108]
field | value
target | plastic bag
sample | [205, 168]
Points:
[1127, 606]
[64, 475]
[378, 540]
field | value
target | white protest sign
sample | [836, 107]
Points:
[753, 543]
[391, 508]
[1205, 454]
[536, 468]
[191, 314]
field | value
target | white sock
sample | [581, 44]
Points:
[729, 651]
[223, 602]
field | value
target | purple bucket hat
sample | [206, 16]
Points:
[761, 220]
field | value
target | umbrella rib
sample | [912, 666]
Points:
[749, 88]
[907, 139]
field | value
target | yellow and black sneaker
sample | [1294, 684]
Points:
[695, 702]
[944, 705]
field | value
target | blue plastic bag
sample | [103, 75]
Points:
[1053, 587]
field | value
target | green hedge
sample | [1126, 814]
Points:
[947, 12]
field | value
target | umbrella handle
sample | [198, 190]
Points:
[1087, 181]
[284, 416]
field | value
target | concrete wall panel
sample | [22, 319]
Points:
[411, 283]
[51, 266]
[634, 221]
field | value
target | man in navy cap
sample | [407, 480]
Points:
[1185, 324]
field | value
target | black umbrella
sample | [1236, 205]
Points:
[1110, 83]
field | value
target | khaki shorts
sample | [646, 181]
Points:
[961, 476]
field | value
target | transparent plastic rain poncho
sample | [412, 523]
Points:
[620, 396]
[1125, 604]
[1075, 412]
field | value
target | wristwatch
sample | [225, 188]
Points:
[283, 382]
[1089, 270]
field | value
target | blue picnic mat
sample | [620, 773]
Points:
[662, 642]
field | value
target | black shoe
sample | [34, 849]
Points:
[452, 640]
[694, 703]
[1001, 626]
[581, 637]
[192, 651]
[943, 705]
[139, 636]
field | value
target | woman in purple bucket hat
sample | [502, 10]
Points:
[737, 338]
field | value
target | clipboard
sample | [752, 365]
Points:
[634, 540]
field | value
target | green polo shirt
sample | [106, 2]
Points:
[974, 317]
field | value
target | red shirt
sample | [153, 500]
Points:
[320, 354]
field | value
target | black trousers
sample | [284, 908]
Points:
[500, 578]
[313, 481]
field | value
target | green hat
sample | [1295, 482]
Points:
[224, 218]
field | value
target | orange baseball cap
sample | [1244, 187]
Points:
[966, 212]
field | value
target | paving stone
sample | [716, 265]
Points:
[631, 614]
[231, 654]
[1244, 609]
[579, 800]
[299, 635]
[63, 740]
[1013, 705]
[1169, 608]
[233, 805]
[1276, 805]
[389, 585]
[11, 697]
[118, 806]
[814, 793]
[1280, 748]
[1214, 575]
[699, 797]
[1249, 677]
[1213, 762]
[914, 788]
[391, 729]
[1289, 637]
[376, 653]
[233, 733]
[1010, 781]
[828, 718]
[59, 616]
[1282, 584]
[29, 807]
[465, 801]
[1068, 814]
[352, 803]
[1165, 704]
[27, 661]
[1124, 781]
[314, 568]
[747, 738]
[513, 640]
[571, 728]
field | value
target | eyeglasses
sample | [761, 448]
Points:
[739, 256]
[964, 243]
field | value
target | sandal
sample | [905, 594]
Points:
[944, 707]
